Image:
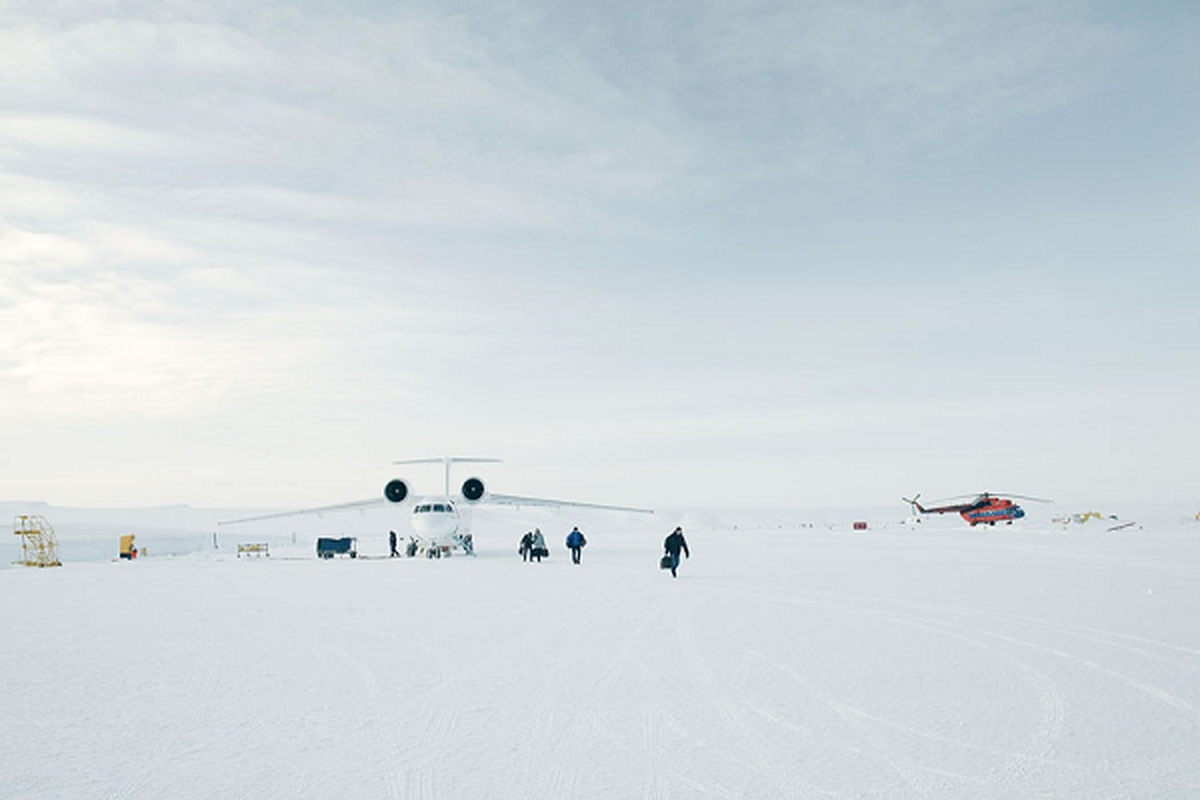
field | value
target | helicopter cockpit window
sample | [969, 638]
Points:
[422, 509]
[439, 507]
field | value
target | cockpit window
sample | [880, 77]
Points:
[422, 509]
[439, 507]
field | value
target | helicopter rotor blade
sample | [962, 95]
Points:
[987, 495]
[952, 498]
[1003, 495]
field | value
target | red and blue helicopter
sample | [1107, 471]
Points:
[981, 509]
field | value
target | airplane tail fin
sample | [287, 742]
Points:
[446, 461]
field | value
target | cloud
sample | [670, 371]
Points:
[824, 91]
[636, 230]
[411, 111]
[460, 123]
[114, 344]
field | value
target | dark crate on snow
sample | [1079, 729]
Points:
[328, 548]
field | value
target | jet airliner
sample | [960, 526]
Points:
[441, 524]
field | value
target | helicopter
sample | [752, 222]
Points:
[982, 509]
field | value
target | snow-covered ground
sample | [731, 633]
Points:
[792, 658]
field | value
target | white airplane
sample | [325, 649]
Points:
[440, 523]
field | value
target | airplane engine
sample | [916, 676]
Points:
[473, 490]
[396, 491]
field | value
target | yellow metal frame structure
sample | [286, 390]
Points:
[39, 548]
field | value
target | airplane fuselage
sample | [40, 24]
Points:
[436, 520]
[439, 526]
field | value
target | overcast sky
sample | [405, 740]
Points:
[665, 254]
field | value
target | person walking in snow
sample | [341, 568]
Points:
[526, 545]
[538, 545]
[576, 542]
[392, 543]
[673, 544]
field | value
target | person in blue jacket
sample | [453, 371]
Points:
[575, 542]
[672, 545]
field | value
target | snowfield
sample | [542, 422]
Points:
[792, 658]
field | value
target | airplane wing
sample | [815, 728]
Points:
[515, 500]
[353, 504]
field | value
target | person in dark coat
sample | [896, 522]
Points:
[392, 543]
[673, 544]
[576, 542]
[526, 545]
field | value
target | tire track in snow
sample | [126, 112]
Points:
[587, 718]
[649, 741]
[548, 713]
[1176, 654]
[139, 781]
[394, 778]
[436, 726]
[412, 769]
[779, 770]
[881, 722]
[864, 726]
[967, 629]
[416, 777]
[1156, 692]
[1018, 764]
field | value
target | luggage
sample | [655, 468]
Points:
[540, 551]
[666, 562]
